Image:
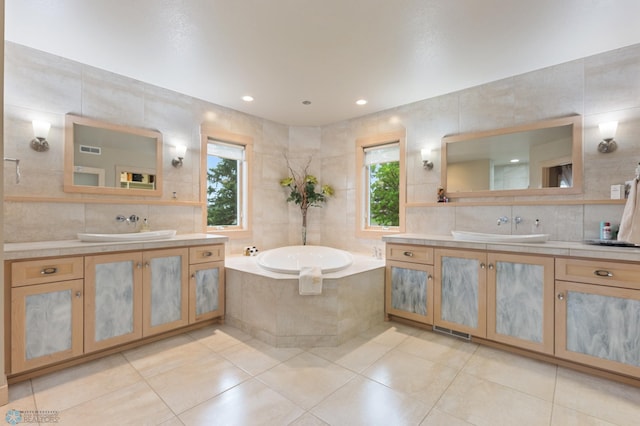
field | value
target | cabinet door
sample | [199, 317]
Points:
[520, 301]
[460, 291]
[46, 324]
[598, 325]
[409, 291]
[113, 300]
[206, 291]
[165, 297]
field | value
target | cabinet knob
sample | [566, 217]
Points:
[78, 294]
[483, 266]
[193, 276]
[603, 273]
[429, 277]
[48, 271]
[408, 253]
[138, 265]
[146, 264]
[560, 296]
[491, 266]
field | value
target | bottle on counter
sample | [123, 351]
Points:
[606, 231]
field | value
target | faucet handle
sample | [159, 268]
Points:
[133, 218]
[121, 218]
[502, 219]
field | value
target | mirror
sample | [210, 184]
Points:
[534, 159]
[104, 158]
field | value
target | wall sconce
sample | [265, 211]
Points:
[40, 131]
[181, 150]
[425, 153]
[607, 133]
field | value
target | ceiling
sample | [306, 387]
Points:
[328, 52]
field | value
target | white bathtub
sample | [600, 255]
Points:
[288, 260]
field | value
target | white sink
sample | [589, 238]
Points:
[498, 238]
[133, 236]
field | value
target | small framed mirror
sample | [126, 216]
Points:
[542, 158]
[105, 158]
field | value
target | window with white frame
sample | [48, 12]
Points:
[226, 181]
[381, 189]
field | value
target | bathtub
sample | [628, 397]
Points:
[288, 260]
[266, 304]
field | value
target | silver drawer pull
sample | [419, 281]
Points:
[603, 273]
[48, 271]
[207, 254]
[408, 253]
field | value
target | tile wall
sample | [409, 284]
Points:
[37, 84]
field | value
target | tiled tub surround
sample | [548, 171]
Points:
[595, 315]
[267, 305]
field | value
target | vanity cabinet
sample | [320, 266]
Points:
[206, 283]
[520, 301]
[597, 312]
[460, 291]
[409, 282]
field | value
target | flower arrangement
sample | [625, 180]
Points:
[302, 191]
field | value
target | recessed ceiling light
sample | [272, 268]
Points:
[515, 160]
[247, 98]
[361, 102]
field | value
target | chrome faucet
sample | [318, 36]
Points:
[131, 219]
[502, 219]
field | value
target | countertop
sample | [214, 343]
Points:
[38, 249]
[550, 248]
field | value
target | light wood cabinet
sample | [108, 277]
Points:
[460, 291]
[46, 324]
[597, 314]
[409, 282]
[206, 283]
[520, 301]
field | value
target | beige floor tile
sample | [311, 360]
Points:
[190, 384]
[136, 404]
[482, 402]
[174, 421]
[250, 403]
[440, 418]
[604, 399]
[308, 419]
[75, 385]
[438, 348]
[355, 354]
[390, 333]
[306, 379]
[21, 396]
[417, 377]
[219, 337]
[365, 402]
[567, 417]
[166, 354]
[526, 375]
[255, 357]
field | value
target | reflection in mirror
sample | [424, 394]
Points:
[103, 158]
[538, 158]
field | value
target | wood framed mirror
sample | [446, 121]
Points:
[105, 158]
[542, 158]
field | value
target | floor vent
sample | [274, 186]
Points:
[453, 333]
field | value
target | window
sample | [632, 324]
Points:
[381, 184]
[225, 182]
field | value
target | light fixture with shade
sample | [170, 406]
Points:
[40, 132]
[425, 153]
[181, 150]
[607, 133]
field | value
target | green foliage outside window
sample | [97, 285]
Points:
[384, 201]
[222, 194]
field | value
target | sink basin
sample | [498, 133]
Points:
[133, 236]
[498, 238]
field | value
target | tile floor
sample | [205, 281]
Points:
[390, 375]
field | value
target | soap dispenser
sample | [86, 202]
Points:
[145, 226]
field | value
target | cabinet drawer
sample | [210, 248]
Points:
[46, 270]
[206, 253]
[612, 274]
[410, 253]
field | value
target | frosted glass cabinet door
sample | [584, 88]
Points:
[165, 296]
[520, 301]
[409, 291]
[113, 300]
[46, 324]
[460, 291]
[206, 291]
[598, 325]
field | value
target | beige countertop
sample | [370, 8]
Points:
[39, 249]
[550, 248]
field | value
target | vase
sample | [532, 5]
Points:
[304, 227]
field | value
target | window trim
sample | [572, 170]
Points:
[362, 229]
[208, 132]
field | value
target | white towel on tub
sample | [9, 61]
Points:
[310, 280]
[630, 223]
